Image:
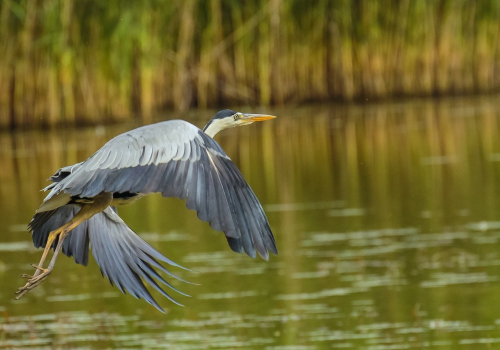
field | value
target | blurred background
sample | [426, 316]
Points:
[380, 177]
[91, 61]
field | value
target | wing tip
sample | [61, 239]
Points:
[273, 250]
[264, 256]
[159, 308]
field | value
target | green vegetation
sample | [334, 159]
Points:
[89, 61]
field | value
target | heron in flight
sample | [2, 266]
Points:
[174, 158]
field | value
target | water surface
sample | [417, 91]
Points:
[386, 218]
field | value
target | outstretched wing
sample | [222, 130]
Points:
[178, 160]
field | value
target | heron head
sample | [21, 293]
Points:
[228, 118]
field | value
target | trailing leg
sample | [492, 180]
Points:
[101, 202]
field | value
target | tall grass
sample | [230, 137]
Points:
[91, 61]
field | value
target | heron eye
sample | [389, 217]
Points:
[236, 117]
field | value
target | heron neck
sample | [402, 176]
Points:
[210, 130]
[214, 126]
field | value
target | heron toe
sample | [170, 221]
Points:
[33, 282]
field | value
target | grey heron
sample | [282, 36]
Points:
[174, 158]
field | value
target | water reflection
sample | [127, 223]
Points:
[386, 218]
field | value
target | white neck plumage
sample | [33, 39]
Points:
[217, 125]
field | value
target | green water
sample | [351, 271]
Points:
[386, 216]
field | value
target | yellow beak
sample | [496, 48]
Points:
[256, 117]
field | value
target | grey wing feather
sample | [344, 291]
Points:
[61, 174]
[178, 160]
[124, 258]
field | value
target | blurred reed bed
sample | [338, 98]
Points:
[89, 62]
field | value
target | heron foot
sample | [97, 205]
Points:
[25, 275]
[33, 282]
[39, 268]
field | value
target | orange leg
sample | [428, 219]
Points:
[100, 203]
